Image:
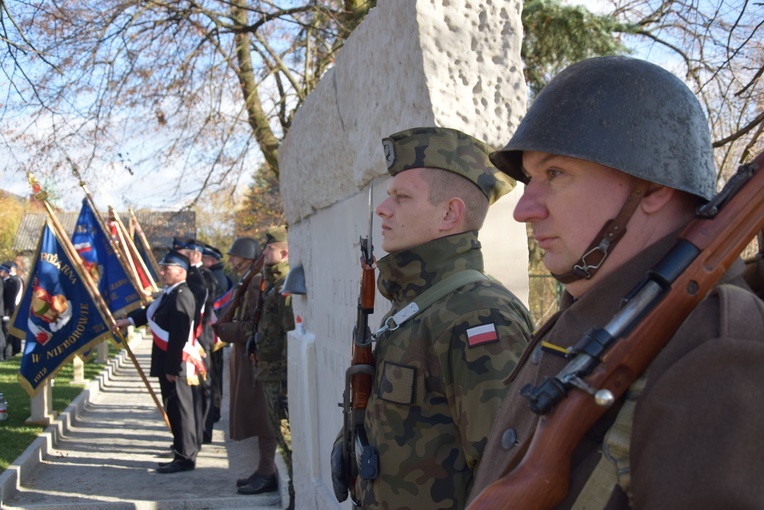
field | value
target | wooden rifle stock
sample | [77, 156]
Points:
[704, 251]
[362, 353]
[357, 453]
[241, 289]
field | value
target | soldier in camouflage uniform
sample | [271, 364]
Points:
[438, 382]
[271, 350]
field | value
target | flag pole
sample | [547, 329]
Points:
[122, 255]
[42, 196]
[133, 250]
[144, 240]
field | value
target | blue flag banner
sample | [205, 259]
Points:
[57, 316]
[103, 264]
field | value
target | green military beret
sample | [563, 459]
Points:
[275, 235]
[447, 149]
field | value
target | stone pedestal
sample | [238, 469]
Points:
[41, 406]
[78, 378]
[102, 352]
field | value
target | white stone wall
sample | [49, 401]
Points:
[448, 63]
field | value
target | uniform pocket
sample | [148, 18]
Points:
[397, 383]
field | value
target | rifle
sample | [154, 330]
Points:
[359, 457]
[240, 290]
[606, 361]
[251, 345]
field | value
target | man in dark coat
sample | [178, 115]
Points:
[173, 360]
[12, 291]
[204, 287]
[616, 156]
[212, 260]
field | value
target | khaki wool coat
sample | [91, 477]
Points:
[697, 440]
[248, 414]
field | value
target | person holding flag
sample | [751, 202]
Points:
[174, 358]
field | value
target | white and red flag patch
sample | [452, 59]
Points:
[482, 334]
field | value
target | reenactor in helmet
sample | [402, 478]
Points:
[615, 155]
[438, 380]
[248, 412]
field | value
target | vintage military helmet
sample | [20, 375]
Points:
[626, 114]
[295, 281]
[245, 247]
[623, 113]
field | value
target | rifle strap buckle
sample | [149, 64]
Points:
[428, 297]
[394, 321]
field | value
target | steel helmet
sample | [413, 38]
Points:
[245, 247]
[623, 113]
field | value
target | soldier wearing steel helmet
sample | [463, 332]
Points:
[438, 381]
[248, 409]
[615, 155]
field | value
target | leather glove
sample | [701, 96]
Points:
[339, 473]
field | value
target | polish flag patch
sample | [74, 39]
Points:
[482, 335]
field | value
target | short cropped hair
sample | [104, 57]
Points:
[445, 185]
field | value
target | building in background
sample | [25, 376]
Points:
[159, 227]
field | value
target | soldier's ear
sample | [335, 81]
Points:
[656, 197]
[453, 214]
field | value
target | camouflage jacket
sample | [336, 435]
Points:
[275, 320]
[438, 383]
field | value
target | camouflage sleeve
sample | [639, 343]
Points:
[476, 354]
[287, 315]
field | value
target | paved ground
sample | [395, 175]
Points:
[102, 452]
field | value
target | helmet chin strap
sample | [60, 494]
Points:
[606, 239]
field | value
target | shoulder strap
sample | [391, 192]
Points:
[613, 468]
[428, 297]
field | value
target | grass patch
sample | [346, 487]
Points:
[15, 435]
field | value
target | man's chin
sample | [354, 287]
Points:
[556, 265]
